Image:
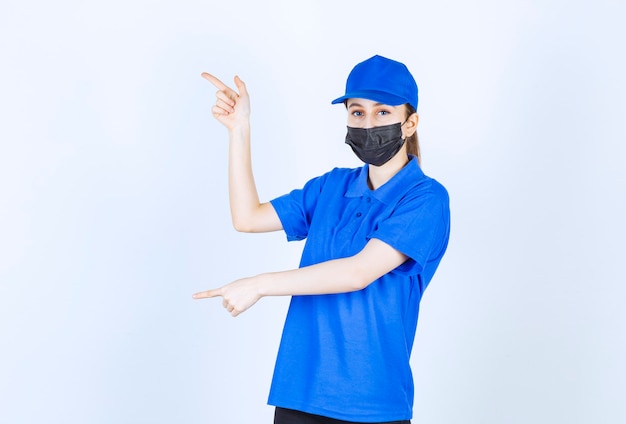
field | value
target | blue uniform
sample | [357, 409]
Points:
[346, 356]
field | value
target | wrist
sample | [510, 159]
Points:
[263, 285]
[240, 129]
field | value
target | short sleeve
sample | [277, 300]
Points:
[419, 227]
[296, 208]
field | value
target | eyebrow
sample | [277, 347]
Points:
[360, 105]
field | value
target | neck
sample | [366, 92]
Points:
[379, 175]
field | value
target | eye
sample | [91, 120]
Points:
[383, 112]
[357, 113]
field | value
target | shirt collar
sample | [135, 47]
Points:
[409, 176]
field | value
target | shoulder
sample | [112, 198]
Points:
[336, 177]
[343, 173]
[417, 183]
[431, 186]
[426, 193]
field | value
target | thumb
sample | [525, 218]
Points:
[241, 86]
[207, 294]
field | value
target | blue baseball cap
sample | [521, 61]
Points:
[381, 80]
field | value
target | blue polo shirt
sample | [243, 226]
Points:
[346, 356]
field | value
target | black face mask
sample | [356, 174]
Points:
[375, 145]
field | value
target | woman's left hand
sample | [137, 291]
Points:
[237, 296]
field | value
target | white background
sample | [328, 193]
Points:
[114, 205]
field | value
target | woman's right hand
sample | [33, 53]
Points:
[232, 107]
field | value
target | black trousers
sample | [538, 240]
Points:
[289, 416]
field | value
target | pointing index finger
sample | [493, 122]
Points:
[214, 80]
[207, 294]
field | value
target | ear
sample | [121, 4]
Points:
[410, 126]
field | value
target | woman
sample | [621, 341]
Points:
[374, 238]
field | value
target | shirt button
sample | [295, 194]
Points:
[358, 214]
[367, 199]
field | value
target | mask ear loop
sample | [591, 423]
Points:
[405, 121]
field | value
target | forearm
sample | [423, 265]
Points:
[248, 214]
[242, 190]
[335, 276]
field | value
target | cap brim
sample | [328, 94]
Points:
[375, 96]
